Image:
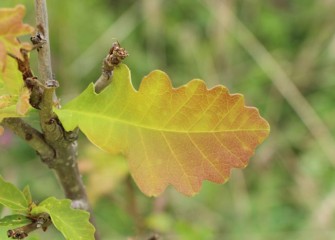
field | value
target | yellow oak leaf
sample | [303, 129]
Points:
[11, 77]
[6, 101]
[169, 136]
[11, 27]
[14, 97]
[23, 104]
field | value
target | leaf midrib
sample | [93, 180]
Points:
[113, 119]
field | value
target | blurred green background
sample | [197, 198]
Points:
[280, 54]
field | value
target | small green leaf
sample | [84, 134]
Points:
[12, 197]
[14, 220]
[27, 194]
[72, 223]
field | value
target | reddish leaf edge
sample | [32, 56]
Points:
[196, 191]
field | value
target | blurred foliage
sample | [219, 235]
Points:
[288, 189]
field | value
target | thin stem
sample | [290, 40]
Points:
[43, 221]
[132, 206]
[115, 56]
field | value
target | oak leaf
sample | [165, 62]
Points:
[12, 197]
[170, 136]
[11, 27]
[74, 224]
[14, 97]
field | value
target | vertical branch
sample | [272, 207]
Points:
[44, 64]
[63, 143]
[44, 56]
